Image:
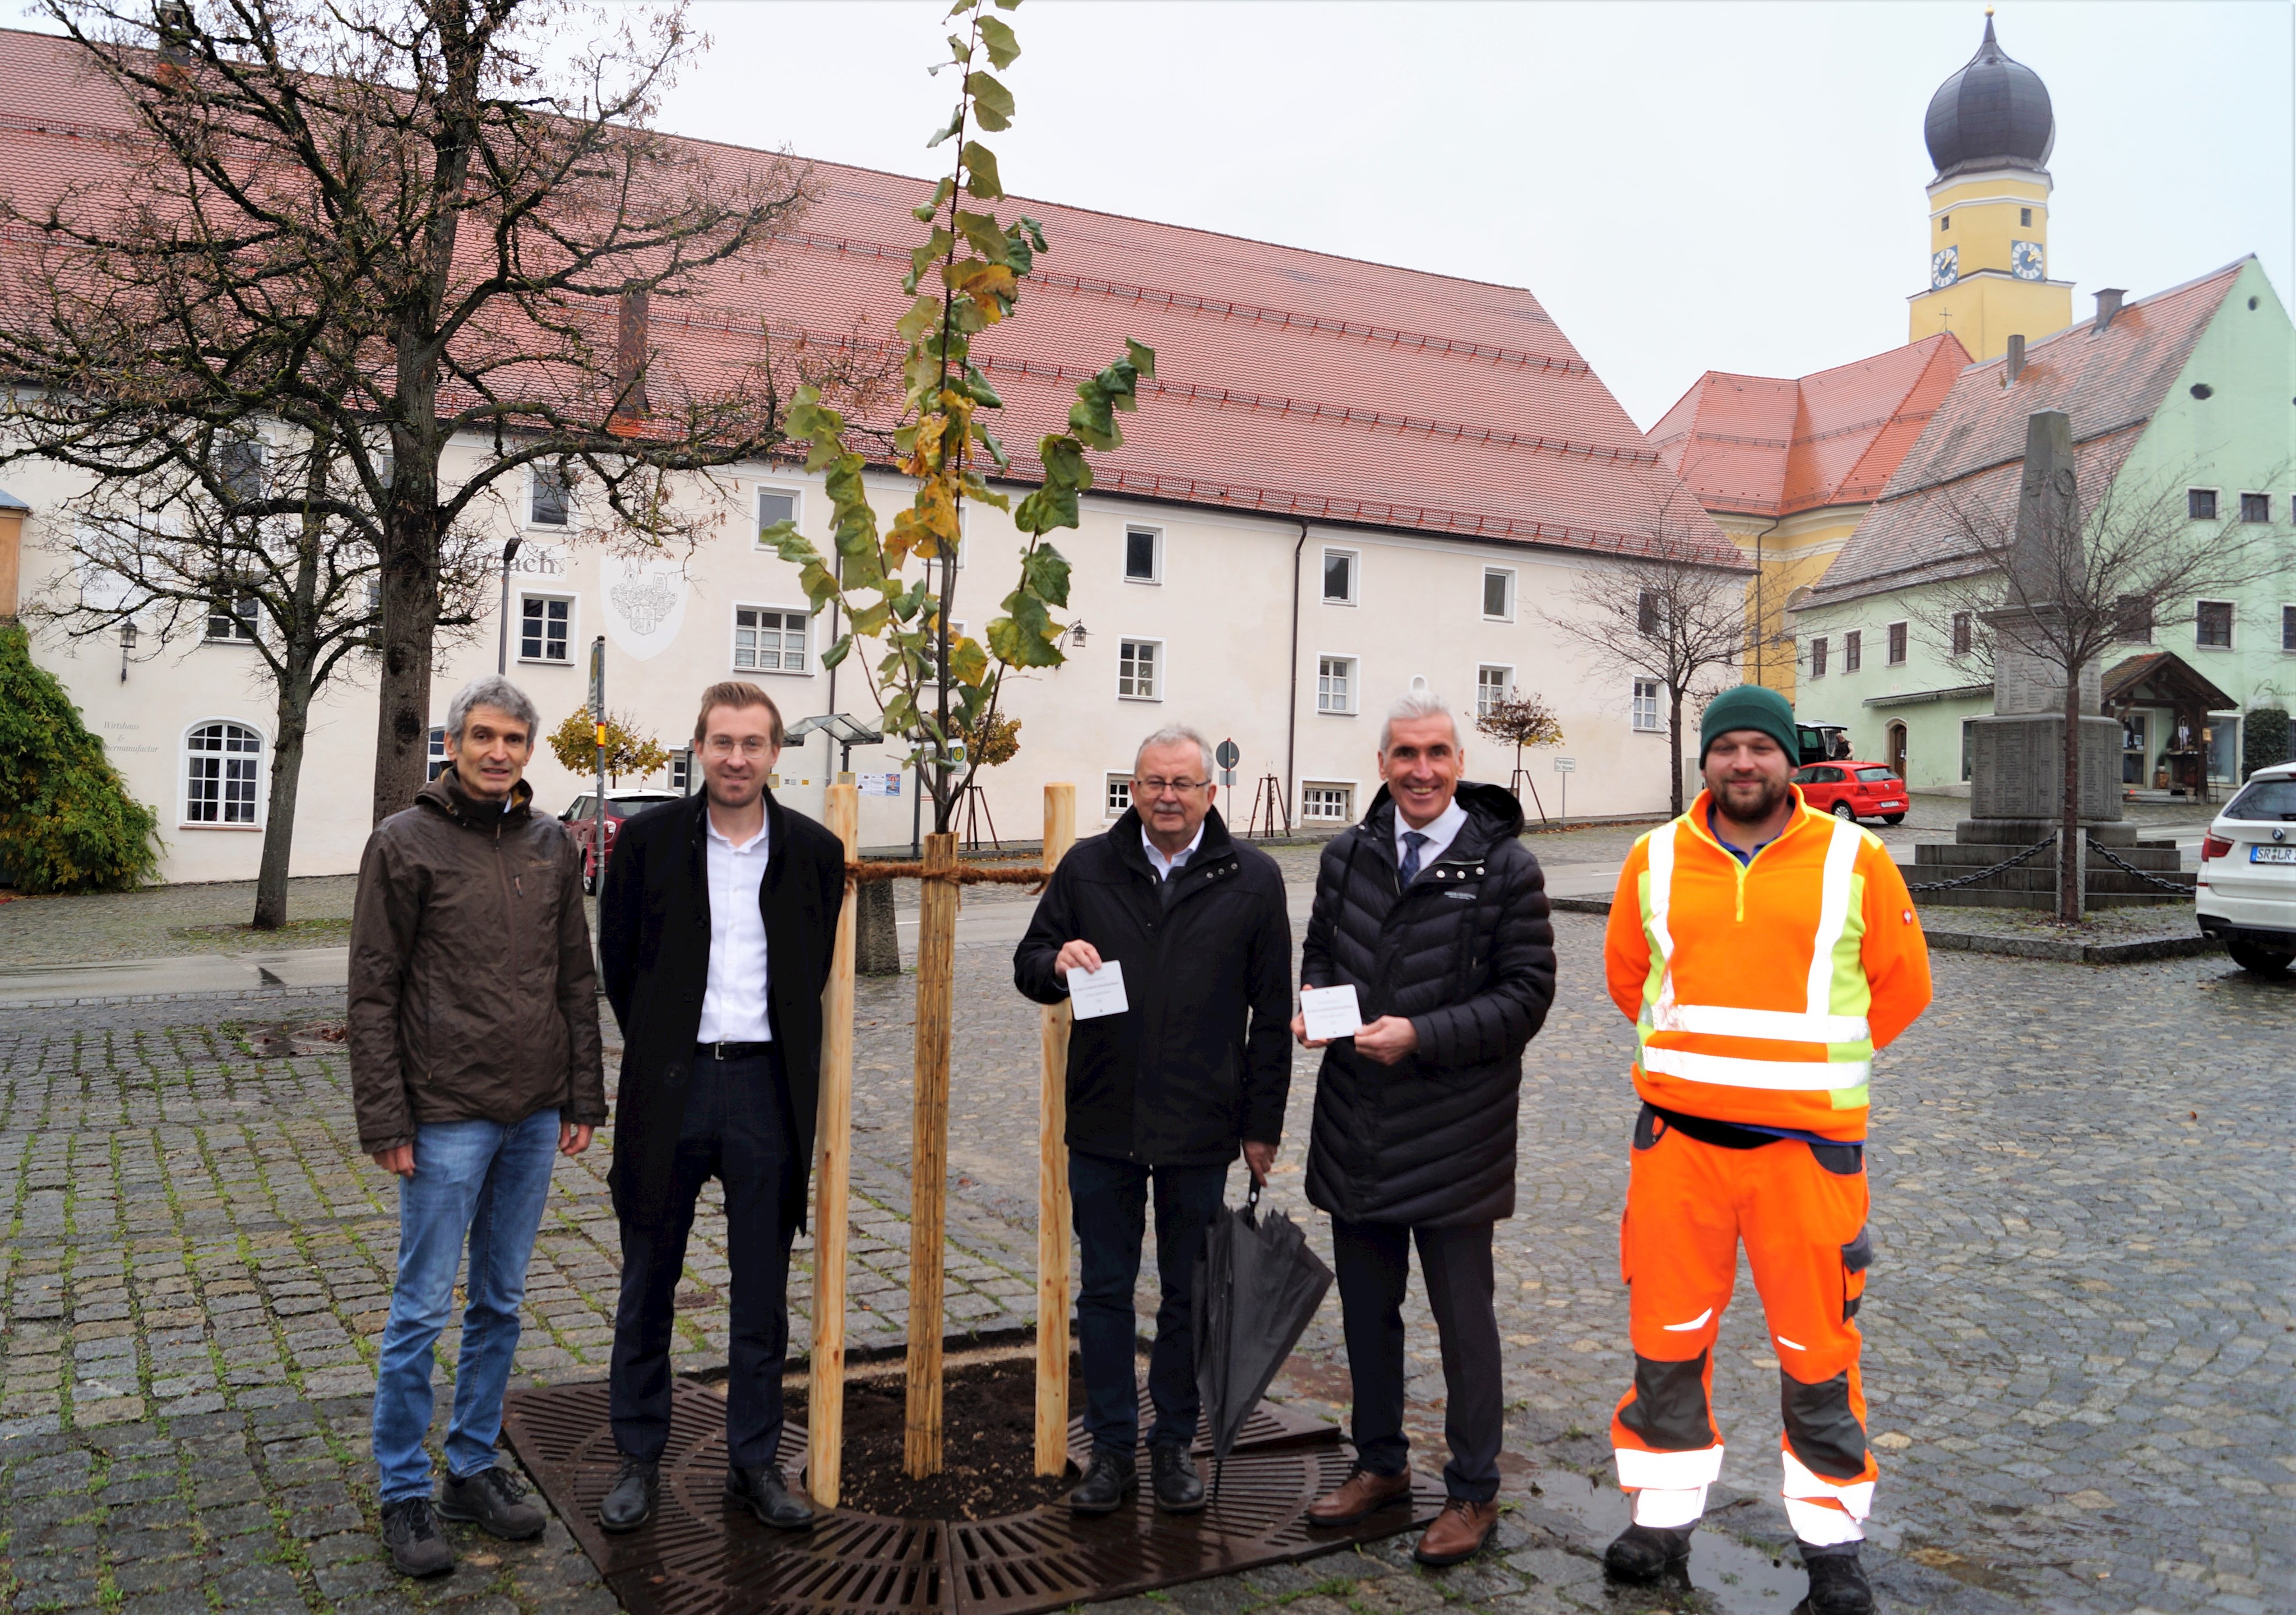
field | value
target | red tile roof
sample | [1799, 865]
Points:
[1969, 457]
[1761, 445]
[1289, 383]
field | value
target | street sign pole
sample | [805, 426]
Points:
[598, 719]
[1566, 767]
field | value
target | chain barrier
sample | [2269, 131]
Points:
[1971, 880]
[2181, 888]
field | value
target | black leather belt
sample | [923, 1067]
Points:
[732, 1051]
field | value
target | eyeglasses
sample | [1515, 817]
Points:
[1156, 788]
[723, 746]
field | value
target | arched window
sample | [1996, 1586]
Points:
[223, 767]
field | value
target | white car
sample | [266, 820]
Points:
[2247, 888]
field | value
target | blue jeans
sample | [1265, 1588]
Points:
[487, 1182]
[1111, 1203]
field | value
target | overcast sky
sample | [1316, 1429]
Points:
[1685, 188]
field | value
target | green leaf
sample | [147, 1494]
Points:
[1004, 48]
[839, 651]
[820, 588]
[989, 440]
[941, 192]
[783, 539]
[1036, 232]
[869, 620]
[968, 663]
[1144, 358]
[992, 102]
[980, 176]
[1025, 638]
[1045, 571]
[983, 233]
[955, 124]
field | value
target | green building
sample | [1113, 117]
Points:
[2188, 397]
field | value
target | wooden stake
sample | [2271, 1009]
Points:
[928, 1154]
[825, 1394]
[1052, 1188]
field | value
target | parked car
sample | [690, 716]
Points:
[619, 805]
[1852, 789]
[2247, 888]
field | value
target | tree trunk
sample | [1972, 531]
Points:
[1674, 747]
[410, 622]
[294, 719]
[2072, 898]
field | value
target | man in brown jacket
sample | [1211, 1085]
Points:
[475, 1055]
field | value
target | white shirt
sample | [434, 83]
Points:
[1440, 832]
[1164, 866]
[734, 1002]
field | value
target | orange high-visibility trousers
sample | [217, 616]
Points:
[1800, 1210]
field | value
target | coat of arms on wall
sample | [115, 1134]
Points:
[646, 604]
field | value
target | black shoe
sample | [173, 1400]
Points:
[1179, 1490]
[1108, 1485]
[410, 1531]
[761, 1491]
[629, 1501]
[1645, 1552]
[495, 1502]
[1837, 1582]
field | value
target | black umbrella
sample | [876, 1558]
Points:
[1257, 1284]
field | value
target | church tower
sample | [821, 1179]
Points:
[1989, 132]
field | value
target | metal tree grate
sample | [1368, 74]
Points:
[698, 1557]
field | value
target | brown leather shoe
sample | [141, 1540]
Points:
[1360, 1497]
[1458, 1532]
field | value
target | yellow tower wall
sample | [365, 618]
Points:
[1981, 215]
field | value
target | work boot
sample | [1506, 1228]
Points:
[1645, 1552]
[629, 1502]
[1109, 1483]
[1837, 1581]
[410, 1531]
[1179, 1490]
[1458, 1532]
[495, 1502]
[761, 1491]
[1360, 1496]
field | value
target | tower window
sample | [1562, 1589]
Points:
[1945, 221]
[2024, 215]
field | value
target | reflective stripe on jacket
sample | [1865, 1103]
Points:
[1760, 991]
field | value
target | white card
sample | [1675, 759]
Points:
[1330, 1011]
[1098, 992]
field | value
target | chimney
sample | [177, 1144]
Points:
[2015, 360]
[2107, 304]
[630, 362]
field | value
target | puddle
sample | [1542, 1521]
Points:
[1726, 1573]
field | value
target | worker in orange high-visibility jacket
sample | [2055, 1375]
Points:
[1764, 951]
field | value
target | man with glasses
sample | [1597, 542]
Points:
[1163, 1090]
[714, 931]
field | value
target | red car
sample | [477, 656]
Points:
[1852, 789]
[619, 805]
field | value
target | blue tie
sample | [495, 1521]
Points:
[1413, 841]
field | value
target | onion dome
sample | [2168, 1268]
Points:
[1994, 114]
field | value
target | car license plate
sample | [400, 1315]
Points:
[2272, 854]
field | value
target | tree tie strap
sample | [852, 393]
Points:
[863, 872]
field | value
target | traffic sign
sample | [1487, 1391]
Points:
[1227, 754]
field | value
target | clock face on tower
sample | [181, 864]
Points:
[1945, 267]
[2025, 260]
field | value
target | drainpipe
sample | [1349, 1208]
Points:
[1292, 715]
[1761, 616]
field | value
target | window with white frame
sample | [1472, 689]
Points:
[550, 502]
[1116, 795]
[1335, 684]
[1492, 687]
[1646, 705]
[775, 505]
[1339, 577]
[435, 757]
[239, 467]
[1853, 649]
[232, 620]
[2212, 625]
[546, 628]
[1818, 657]
[2256, 507]
[1144, 556]
[681, 771]
[1323, 802]
[1897, 643]
[2200, 503]
[223, 767]
[769, 639]
[2288, 628]
[1498, 593]
[1140, 670]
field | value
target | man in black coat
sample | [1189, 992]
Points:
[1194, 1062]
[1436, 914]
[714, 931]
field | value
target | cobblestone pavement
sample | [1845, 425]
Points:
[2080, 1358]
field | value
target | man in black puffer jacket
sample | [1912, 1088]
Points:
[1195, 1064]
[1436, 914]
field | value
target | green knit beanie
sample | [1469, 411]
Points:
[1749, 707]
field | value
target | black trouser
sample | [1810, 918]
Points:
[737, 1130]
[1111, 1203]
[1373, 1262]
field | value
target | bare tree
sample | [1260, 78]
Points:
[2081, 573]
[392, 226]
[1677, 616]
[170, 555]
